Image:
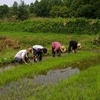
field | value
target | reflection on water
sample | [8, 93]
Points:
[26, 86]
[10, 66]
[53, 76]
[7, 67]
[22, 87]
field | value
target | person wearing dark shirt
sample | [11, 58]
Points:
[73, 46]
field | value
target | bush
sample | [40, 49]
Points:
[58, 25]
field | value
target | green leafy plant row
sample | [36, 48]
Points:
[57, 25]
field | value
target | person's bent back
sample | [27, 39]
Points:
[73, 46]
[22, 56]
[38, 51]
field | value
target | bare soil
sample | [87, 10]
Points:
[6, 42]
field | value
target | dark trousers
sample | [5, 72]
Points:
[72, 46]
[19, 60]
[38, 54]
[58, 52]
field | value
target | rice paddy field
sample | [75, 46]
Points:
[74, 76]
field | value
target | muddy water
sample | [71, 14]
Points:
[7, 67]
[53, 76]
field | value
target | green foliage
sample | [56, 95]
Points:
[96, 41]
[22, 12]
[15, 8]
[57, 25]
[85, 11]
[4, 9]
[64, 11]
[58, 11]
[48, 8]
[55, 11]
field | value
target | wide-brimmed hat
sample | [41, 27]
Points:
[79, 45]
[29, 50]
[62, 48]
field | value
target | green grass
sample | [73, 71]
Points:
[84, 86]
[26, 40]
[42, 67]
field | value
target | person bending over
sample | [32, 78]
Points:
[73, 46]
[57, 48]
[38, 51]
[22, 56]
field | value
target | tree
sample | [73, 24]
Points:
[56, 2]
[36, 5]
[15, 8]
[85, 11]
[72, 13]
[13, 11]
[43, 8]
[67, 3]
[4, 10]
[55, 11]
[96, 7]
[22, 11]
[31, 8]
[64, 11]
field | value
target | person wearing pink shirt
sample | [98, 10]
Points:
[57, 48]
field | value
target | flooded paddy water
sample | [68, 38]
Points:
[7, 67]
[53, 76]
[27, 86]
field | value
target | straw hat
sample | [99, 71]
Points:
[79, 45]
[62, 48]
[29, 50]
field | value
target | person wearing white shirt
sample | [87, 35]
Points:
[38, 51]
[22, 56]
